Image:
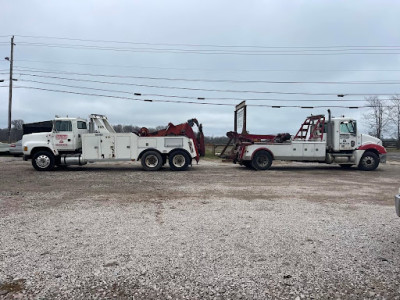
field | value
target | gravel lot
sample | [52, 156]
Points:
[217, 231]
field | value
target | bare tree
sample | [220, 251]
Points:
[394, 117]
[16, 130]
[127, 128]
[17, 124]
[377, 118]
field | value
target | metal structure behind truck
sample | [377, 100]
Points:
[70, 141]
[335, 140]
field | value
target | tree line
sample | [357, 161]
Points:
[383, 118]
[16, 131]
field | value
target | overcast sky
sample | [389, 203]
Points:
[180, 50]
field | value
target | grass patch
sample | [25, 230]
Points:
[210, 154]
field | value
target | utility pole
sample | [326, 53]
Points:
[10, 88]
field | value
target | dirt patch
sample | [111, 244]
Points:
[14, 286]
[216, 231]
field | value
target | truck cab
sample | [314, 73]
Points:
[61, 135]
[68, 134]
[345, 136]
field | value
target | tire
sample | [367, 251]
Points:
[152, 161]
[345, 166]
[43, 161]
[179, 160]
[369, 161]
[262, 160]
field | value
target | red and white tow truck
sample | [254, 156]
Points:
[72, 141]
[335, 140]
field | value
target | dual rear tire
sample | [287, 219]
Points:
[152, 161]
[178, 160]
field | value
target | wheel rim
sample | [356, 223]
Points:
[43, 161]
[368, 161]
[151, 161]
[262, 161]
[178, 160]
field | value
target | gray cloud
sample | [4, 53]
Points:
[254, 23]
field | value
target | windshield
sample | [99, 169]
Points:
[63, 126]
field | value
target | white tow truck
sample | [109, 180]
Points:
[74, 141]
[335, 140]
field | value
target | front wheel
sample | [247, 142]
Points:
[262, 160]
[369, 161]
[43, 161]
[179, 160]
[151, 161]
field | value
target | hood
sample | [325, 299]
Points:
[369, 139]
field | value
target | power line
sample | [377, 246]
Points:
[213, 52]
[204, 69]
[189, 102]
[190, 97]
[124, 98]
[211, 80]
[304, 49]
[209, 90]
[205, 45]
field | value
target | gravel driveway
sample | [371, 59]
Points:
[217, 231]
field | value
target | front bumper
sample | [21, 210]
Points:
[382, 158]
[397, 204]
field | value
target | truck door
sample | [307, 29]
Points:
[348, 135]
[81, 129]
[64, 136]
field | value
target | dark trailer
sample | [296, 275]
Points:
[45, 126]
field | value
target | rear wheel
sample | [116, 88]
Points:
[43, 161]
[262, 160]
[369, 161]
[179, 160]
[151, 161]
